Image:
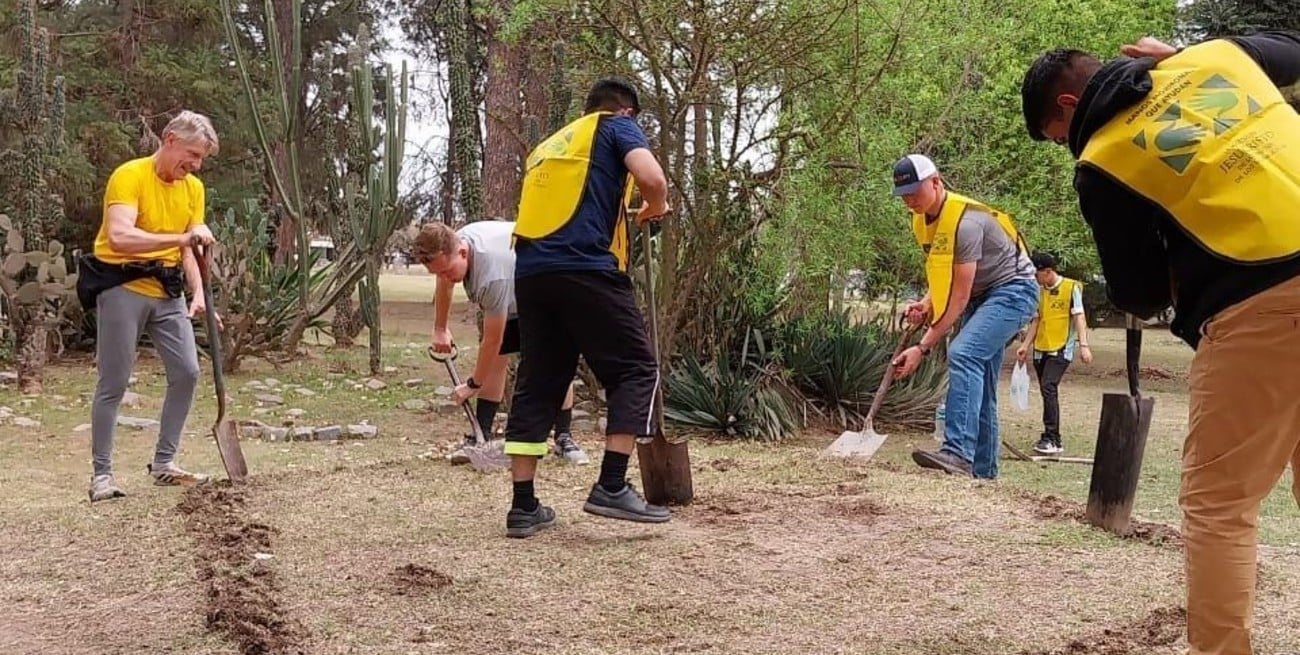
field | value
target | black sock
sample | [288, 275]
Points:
[486, 411]
[564, 421]
[613, 471]
[525, 497]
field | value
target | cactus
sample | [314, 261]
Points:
[35, 275]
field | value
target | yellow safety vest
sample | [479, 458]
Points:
[1215, 144]
[939, 241]
[555, 177]
[1054, 316]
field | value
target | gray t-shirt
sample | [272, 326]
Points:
[981, 239]
[490, 280]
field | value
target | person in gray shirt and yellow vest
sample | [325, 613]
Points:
[1188, 176]
[1060, 326]
[480, 257]
[977, 270]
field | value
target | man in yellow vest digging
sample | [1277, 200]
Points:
[976, 270]
[573, 296]
[1053, 335]
[1188, 175]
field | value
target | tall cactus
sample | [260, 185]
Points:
[34, 276]
[370, 198]
[464, 111]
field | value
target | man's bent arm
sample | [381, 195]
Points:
[1130, 248]
[127, 239]
[649, 176]
[1277, 52]
[1031, 332]
[963, 279]
[494, 331]
[193, 276]
[442, 302]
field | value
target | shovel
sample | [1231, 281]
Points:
[483, 455]
[868, 441]
[224, 430]
[1121, 442]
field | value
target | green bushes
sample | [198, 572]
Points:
[827, 364]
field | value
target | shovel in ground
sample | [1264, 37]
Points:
[483, 455]
[224, 430]
[865, 443]
[1121, 442]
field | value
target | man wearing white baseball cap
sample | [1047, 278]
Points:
[978, 270]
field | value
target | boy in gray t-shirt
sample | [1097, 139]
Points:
[481, 258]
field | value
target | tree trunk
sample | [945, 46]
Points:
[33, 347]
[503, 152]
[464, 111]
[346, 323]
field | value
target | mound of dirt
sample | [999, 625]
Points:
[1162, 627]
[861, 508]
[1144, 373]
[412, 579]
[242, 589]
[1054, 508]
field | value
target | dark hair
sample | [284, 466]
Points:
[1043, 260]
[612, 94]
[1054, 72]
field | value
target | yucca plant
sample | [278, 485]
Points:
[838, 364]
[746, 400]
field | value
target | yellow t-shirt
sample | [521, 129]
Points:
[163, 208]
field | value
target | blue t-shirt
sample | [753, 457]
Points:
[583, 243]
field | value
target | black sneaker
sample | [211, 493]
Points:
[1048, 446]
[626, 504]
[520, 523]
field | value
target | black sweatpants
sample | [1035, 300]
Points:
[1050, 368]
[566, 314]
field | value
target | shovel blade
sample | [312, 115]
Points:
[856, 444]
[490, 456]
[232, 455]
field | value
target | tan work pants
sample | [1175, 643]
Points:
[1244, 427]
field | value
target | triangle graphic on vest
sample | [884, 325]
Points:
[1217, 81]
[1140, 140]
[1252, 106]
[1177, 162]
[1222, 125]
[1173, 113]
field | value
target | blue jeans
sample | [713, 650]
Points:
[974, 363]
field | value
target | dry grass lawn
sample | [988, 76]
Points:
[380, 546]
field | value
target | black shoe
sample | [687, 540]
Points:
[941, 460]
[1048, 445]
[520, 523]
[626, 504]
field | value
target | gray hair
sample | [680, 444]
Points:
[192, 126]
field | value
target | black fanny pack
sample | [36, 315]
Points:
[95, 276]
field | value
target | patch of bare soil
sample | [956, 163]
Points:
[861, 509]
[411, 579]
[1054, 508]
[1162, 627]
[723, 464]
[242, 587]
[1144, 373]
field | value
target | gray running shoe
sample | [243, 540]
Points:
[102, 487]
[521, 524]
[626, 504]
[569, 449]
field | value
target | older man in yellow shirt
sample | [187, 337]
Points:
[142, 261]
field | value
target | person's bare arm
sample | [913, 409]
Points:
[650, 181]
[494, 331]
[190, 264]
[125, 238]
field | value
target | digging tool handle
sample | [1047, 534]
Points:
[879, 398]
[1132, 352]
[448, 360]
[652, 308]
[204, 261]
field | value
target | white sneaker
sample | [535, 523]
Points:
[169, 475]
[102, 487]
[569, 449]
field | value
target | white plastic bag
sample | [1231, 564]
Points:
[1020, 386]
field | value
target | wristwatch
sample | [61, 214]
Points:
[925, 350]
[472, 384]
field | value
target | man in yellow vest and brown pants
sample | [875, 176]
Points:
[1189, 176]
[977, 271]
[1059, 329]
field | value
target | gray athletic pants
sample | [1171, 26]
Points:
[123, 316]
